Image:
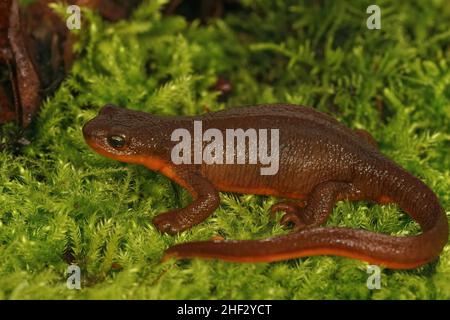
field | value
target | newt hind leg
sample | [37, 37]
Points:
[319, 205]
[292, 213]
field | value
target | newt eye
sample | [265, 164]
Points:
[116, 142]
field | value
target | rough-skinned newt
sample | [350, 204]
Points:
[321, 161]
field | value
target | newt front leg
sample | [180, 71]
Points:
[206, 200]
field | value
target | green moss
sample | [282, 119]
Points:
[59, 197]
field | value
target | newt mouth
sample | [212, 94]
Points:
[94, 146]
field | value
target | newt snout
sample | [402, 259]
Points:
[97, 128]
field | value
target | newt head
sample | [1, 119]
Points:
[125, 135]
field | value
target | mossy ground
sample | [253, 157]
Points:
[60, 199]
